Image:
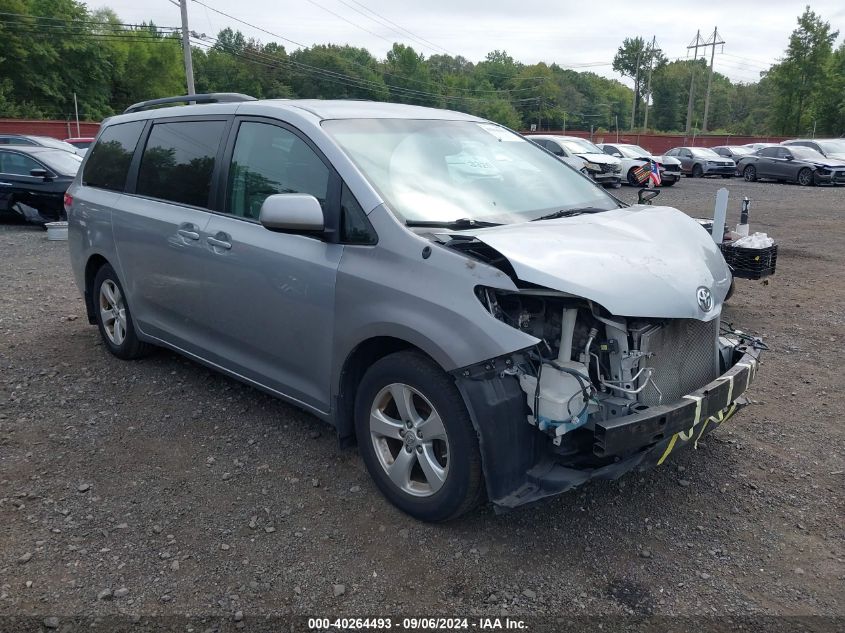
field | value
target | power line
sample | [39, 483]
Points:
[335, 77]
[368, 68]
[90, 22]
[348, 21]
[422, 40]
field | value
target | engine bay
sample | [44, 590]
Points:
[592, 366]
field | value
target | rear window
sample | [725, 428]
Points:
[108, 163]
[178, 161]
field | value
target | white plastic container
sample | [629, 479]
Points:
[56, 231]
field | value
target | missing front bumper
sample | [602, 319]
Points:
[521, 466]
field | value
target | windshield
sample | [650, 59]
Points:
[61, 161]
[805, 153]
[633, 151]
[704, 152]
[442, 171]
[832, 147]
[580, 146]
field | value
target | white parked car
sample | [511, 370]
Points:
[605, 170]
[567, 157]
[633, 156]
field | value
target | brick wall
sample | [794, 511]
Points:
[57, 129]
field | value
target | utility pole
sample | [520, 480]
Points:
[539, 112]
[648, 86]
[186, 47]
[76, 112]
[636, 88]
[713, 41]
[698, 42]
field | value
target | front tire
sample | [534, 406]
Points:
[805, 177]
[697, 171]
[668, 183]
[750, 173]
[114, 319]
[416, 438]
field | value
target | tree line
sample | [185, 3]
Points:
[55, 48]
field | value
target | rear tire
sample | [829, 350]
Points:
[416, 438]
[114, 319]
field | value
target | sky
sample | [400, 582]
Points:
[583, 35]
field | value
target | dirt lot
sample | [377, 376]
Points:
[159, 487]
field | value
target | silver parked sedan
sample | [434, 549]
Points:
[703, 161]
[480, 318]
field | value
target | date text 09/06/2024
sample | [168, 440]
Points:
[416, 624]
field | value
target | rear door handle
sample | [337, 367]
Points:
[221, 240]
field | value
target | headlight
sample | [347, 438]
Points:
[821, 171]
[711, 162]
[592, 166]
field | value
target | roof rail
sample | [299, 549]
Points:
[212, 97]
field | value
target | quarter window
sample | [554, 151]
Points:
[355, 228]
[110, 157]
[267, 160]
[178, 161]
[17, 164]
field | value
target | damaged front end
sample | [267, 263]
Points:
[601, 395]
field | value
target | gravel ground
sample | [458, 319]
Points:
[160, 487]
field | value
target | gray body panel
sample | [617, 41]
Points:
[270, 307]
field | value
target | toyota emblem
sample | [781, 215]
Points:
[705, 298]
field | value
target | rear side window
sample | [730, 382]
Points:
[108, 163]
[178, 161]
[769, 152]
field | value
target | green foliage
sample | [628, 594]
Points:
[110, 65]
[803, 83]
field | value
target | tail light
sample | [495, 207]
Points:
[68, 202]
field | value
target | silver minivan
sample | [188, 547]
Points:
[479, 318]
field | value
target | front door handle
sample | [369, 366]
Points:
[221, 240]
[189, 231]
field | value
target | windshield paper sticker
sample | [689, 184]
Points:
[500, 133]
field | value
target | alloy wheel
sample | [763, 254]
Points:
[113, 312]
[409, 439]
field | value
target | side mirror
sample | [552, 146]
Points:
[291, 212]
[788, 157]
[617, 154]
[39, 173]
[645, 196]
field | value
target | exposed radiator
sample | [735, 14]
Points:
[686, 357]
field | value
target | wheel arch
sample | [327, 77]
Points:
[359, 359]
[94, 263]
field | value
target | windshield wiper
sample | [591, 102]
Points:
[568, 213]
[459, 224]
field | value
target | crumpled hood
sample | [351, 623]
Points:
[641, 261]
[601, 159]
